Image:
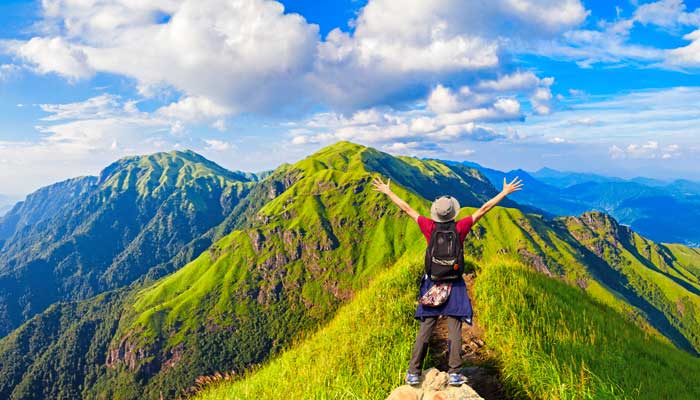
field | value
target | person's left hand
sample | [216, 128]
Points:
[381, 186]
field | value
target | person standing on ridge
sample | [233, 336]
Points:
[443, 291]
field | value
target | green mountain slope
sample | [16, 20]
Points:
[360, 354]
[332, 187]
[149, 347]
[660, 280]
[315, 244]
[60, 352]
[81, 237]
[39, 206]
[306, 240]
[553, 341]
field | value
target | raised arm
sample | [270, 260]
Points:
[384, 188]
[508, 188]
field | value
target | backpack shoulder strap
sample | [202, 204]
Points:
[449, 225]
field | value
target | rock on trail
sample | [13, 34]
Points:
[433, 386]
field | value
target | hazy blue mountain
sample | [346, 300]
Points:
[539, 194]
[564, 179]
[649, 181]
[661, 211]
[684, 187]
[6, 203]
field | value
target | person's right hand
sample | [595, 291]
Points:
[513, 186]
[381, 186]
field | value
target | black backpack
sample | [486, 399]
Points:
[444, 257]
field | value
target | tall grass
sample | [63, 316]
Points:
[361, 354]
[552, 341]
[555, 342]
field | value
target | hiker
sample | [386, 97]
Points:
[443, 291]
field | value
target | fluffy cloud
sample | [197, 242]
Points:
[393, 128]
[54, 54]
[649, 150]
[194, 109]
[609, 42]
[515, 81]
[400, 44]
[7, 70]
[669, 14]
[446, 115]
[217, 145]
[589, 47]
[241, 55]
[414, 147]
[102, 106]
[443, 100]
[249, 56]
[688, 56]
[100, 124]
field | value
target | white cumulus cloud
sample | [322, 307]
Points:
[54, 54]
[245, 55]
[217, 145]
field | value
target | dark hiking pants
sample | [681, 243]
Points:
[454, 329]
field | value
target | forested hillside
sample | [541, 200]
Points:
[77, 238]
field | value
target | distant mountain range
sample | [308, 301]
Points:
[6, 203]
[666, 212]
[166, 267]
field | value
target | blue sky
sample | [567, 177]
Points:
[596, 86]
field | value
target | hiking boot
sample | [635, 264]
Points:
[412, 379]
[457, 379]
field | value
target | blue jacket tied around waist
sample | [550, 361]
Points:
[458, 304]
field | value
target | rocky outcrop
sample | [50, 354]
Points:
[593, 225]
[536, 261]
[129, 354]
[433, 386]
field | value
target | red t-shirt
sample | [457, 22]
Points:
[464, 225]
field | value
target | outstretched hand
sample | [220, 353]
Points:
[381, 186]
[513, 186]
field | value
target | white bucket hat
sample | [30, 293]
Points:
[444, 209]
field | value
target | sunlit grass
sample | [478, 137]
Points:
[361, 354]
[552, 341]
[555, 342]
